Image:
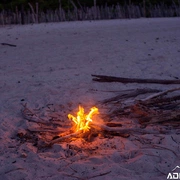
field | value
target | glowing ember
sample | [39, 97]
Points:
[82, 120]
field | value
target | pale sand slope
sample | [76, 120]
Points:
[53, 63]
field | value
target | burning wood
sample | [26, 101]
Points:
[82, 120]
[160, 108]
[81, 123]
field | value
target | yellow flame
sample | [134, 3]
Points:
[82, 120]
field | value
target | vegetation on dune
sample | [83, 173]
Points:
[53, 4]
[37, 11]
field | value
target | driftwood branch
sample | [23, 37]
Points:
[7, 44]
[160, 94]
[62, 138]
[170, 118]
[129, 94]
[101, 78]
[161, 108]
[120, 130]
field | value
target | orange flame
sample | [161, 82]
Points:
[82, 120]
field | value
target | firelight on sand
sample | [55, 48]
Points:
[82, 120]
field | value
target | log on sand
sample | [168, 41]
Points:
[101, 78]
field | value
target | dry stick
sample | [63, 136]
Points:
[149, 99]
[173, 101]
[33, 13]
[101, 78]
[62, 138]
[131, 94]
[161, 147]
[114, 124]
[101, 174]
[65, 137]
[62, 130]
[164, 117]
[11, 170]
[160, 94]
[32, 117]
[74, 176]
[125, 130]
[27, 113]
[87, 178]
[7, 44]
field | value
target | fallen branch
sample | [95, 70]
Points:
[62, 138]
[59, 130]
[114, 124]
[128, 94]
[160, 94]
[101, 78]
[165, 117]
[7, 44]
[31, 116]
[161, 107]
[121, 131]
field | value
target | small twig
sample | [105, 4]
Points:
[32, 117]
[161, 147]
[114, 124]
[74, 176]
[174, 139]
[87, 178]
[163, 117]
[48, 130]
[101, 174]
[11, 170]
[7, 44]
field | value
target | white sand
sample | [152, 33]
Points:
[53, 63]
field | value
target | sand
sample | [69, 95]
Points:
[52, 64]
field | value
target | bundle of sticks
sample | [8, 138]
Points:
[156, 107]
[161, 107]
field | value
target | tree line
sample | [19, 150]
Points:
[69, 4]
[39, 11]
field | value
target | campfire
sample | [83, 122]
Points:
[83, 125]
[82, 120]
[128, 113]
